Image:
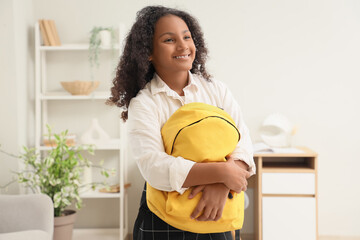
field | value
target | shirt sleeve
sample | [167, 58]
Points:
[244, 149]
[160, 170]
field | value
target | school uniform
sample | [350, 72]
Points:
[148, 112]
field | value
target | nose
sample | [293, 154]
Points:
[181, 45]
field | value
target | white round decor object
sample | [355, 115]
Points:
[246, 200]
[276, 130]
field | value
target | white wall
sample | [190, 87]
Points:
[16, 76]
[8, 137]
[299, 58]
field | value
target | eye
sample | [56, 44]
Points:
[187, 37]
[169, 40]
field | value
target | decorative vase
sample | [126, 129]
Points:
[87, 178]
[95, 134]
[63, 225]
[105, 38]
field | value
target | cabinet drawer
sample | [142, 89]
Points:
[287, 218]
[288, 183]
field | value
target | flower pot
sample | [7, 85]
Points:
[105, 38]
[63, 225]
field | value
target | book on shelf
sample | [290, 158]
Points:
[55, 33]
[261, 147]
[49, 33]
[43, 33]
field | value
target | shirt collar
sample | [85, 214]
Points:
[158, 85]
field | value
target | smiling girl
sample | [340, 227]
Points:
[163, 68]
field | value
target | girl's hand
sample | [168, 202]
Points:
[212, 202]
[236, 176]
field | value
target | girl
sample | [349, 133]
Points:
[161, 69]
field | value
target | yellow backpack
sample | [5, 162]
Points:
[201, 133]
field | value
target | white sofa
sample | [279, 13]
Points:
[26, 217]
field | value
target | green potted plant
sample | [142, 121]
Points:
[58, 174]
[100, 37]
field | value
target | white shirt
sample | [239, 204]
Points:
[153, 106]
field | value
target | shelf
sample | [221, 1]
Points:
[288, 195]
[44, 148]
[287, 169]
[306, 152]
[67, 96]
[103, 147]
[97, 194]
[72, 47]
[286, 164]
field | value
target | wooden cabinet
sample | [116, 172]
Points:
[285, 196]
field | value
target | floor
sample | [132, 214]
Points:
[338, 238]
[95, 234]
[113, 234]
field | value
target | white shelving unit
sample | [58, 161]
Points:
[44, 97]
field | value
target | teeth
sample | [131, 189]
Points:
[185, 56]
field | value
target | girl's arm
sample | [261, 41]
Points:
[228, 173]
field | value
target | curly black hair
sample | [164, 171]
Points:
[134, 69]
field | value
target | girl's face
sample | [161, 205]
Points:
[173, 47]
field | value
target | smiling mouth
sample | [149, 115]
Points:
[182, 56]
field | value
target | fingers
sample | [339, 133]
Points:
[218, 215]
[209, 215]
[239, 182]
[242, 187]
[213, 215]
[206, 216]
[199, 208]
[212, 202]
[196, 190]
[246, 173]
[239, 186]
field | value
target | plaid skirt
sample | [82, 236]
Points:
[148, 226]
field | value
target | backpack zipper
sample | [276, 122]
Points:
[172, 148]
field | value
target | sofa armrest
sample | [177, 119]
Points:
[26, 212]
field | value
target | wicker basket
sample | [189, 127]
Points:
[80, 87]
